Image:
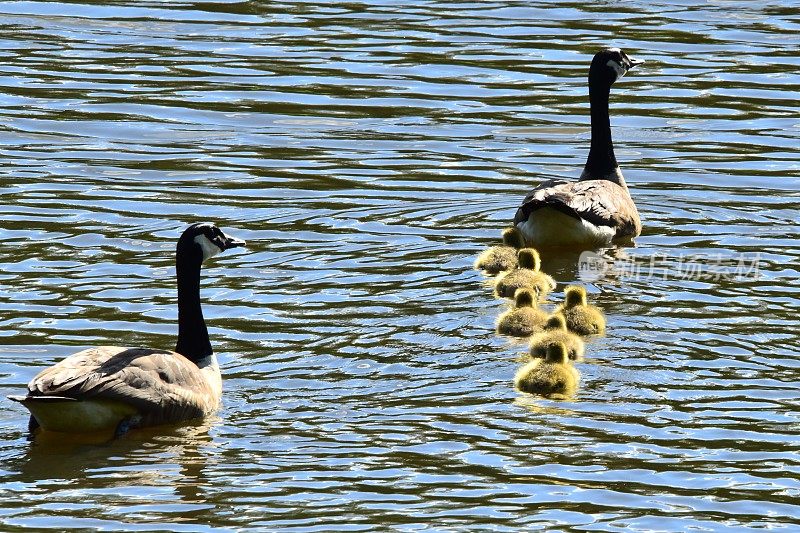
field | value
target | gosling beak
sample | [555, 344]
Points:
[232, 242]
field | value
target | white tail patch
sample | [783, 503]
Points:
[550, 227]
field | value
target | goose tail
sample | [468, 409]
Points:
[27, 400]
[72, 415]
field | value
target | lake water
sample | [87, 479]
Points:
[368, 152]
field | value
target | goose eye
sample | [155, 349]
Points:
[216, 237]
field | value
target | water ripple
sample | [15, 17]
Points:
[367, 152]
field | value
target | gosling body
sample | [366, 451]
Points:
[580, 317]
[525, 318]
[527, 275]
[555, 331]
[554, 376]
[503, 257]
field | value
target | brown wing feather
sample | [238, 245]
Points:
[601, 202]
[162, 385]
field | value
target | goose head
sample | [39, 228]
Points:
[574, 296]
[609, 65]
[556, 354]
[205, 240]
[529, 258]
[513, 237]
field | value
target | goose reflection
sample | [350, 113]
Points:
[140, 458]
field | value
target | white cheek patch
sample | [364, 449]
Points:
[209, 248]
[617, 68]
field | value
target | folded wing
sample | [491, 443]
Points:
[162, 385]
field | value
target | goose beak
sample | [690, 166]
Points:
[233, 242]
[633, 61]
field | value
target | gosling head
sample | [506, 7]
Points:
[556, 322]
[529, 258]
[574, 295]
[524, 297]
[205, 240]
[513, 237]
[609, 65]
[556, 354]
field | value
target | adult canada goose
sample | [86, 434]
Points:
[554, 376]
[526, 275]
[525, 318]
[555, 330]
[502, 257]
[598, 208]
[581, 318]
[114, 388]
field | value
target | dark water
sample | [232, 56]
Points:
[367, 152]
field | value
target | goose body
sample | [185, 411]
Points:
[112, 388]
[502, 257]
[526, 275]
[96, 389]
[554, 376]
[580, 317]
[525, 318]
[555, 331]
[597, 209]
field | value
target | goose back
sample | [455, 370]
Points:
[602, 210]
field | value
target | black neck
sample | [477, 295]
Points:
[193, 340]
[601, 163]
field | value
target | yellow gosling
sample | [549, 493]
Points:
[582, 318]
[554, 376]
[555, 330]
[500, 258]
[525, 318]
[526, 275]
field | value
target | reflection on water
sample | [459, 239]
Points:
[61, 457]
[131, 475]
[367, 152]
